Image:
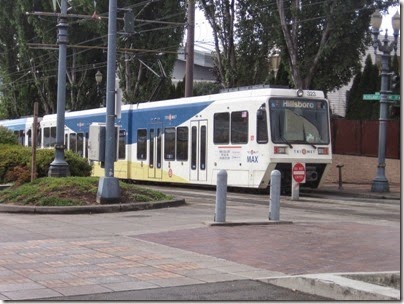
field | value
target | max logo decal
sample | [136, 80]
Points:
[252, 159]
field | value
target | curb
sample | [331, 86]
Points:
[247, 223]
[107, 208]
[387, 196]
[341, 286]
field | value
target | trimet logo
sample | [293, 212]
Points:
[170, 117]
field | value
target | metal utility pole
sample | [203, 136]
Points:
[108, 186]
[59, 167]
[189, 68]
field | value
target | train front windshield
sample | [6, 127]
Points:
[297, 121]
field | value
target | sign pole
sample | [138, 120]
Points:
[295, 190]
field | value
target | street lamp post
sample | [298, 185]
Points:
[59, 167]
[380, 182]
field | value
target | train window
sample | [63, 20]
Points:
[221, 123]
[122, 144]
[141, 144]
[80, 144]
[169, 143]
[73, 142]
[52, 139]
[86, 145]
[46, 137]
[262, 125]
[203, 148]
[29, 135]
[158, 148]
[239, 127]
[20, 136]
[38, 137]
[193, 148]
[182, 143]
[151, 148]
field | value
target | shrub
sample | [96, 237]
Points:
[7, 136]
[12, 156]
[18, 175]
[15, 163]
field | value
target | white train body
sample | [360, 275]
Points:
[189, 140]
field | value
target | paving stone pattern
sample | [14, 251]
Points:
[297, 248]
[52, 268]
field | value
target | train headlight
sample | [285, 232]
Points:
[279, 150]
[299, 93]
[323, 150]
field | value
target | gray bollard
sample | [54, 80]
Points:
[221, 194]
[275, 194]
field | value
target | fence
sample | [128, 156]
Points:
[361, 137]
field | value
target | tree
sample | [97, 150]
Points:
[145, 75]
[221, 17]
[366, 82]
[28, 65]
[322, 41]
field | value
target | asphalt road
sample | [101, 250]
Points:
[244, 290]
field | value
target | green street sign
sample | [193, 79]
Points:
[377, 97]
[394, 97]
[371, 97]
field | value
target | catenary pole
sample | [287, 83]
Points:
[189, 64]
[108, 186]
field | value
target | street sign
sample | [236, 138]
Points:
[371, 97]
[394, 97]
[299, 172]
[377, 97]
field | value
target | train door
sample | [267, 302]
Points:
[199, 132]
[155, 159]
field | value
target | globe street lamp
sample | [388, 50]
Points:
[98, 80]
[380, 183]
[275, 63]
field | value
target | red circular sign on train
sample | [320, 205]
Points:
[299, 172]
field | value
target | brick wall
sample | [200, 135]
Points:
[362, 169]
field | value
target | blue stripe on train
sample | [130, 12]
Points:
[131, 120]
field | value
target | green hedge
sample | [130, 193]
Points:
[7, 136]
[15, 163]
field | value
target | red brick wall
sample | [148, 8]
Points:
[362, 169]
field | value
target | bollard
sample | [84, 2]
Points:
[221, 193]
[274, 197]
[340, 176]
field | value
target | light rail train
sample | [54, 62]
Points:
[248, 133]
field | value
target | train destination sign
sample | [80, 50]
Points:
[301, 104]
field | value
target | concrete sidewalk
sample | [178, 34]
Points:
[46, 256]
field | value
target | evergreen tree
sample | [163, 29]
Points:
[366, 82]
